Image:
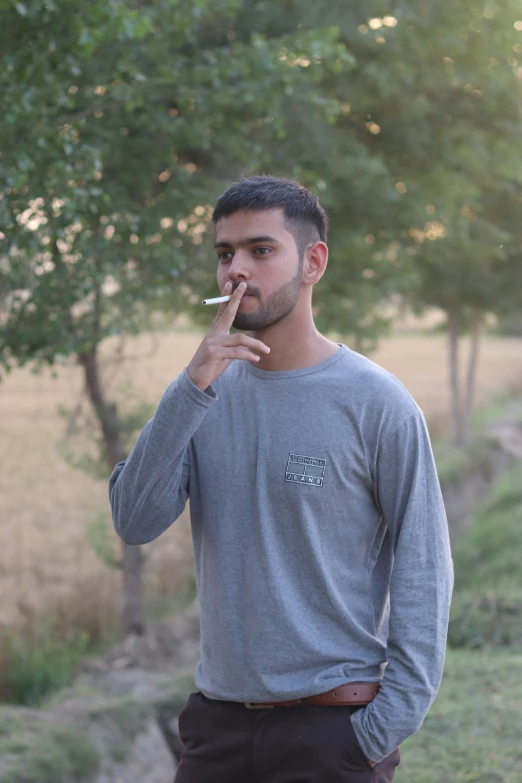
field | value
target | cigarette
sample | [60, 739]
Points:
[217, 300]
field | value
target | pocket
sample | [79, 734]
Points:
[358, 751]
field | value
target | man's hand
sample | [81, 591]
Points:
[219, 348]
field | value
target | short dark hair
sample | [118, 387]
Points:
[304, 215]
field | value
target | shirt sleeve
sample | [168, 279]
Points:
[149, 490]
[408, 492]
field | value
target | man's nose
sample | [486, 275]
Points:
[238, 269]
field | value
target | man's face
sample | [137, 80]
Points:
[258, 249]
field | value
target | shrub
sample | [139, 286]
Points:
[48, 754]
[33, 667]
[486, 619]
[487, 604]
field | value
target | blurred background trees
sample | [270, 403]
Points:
[118, 121]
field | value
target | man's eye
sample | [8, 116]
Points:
[262, 251]
[225, 255]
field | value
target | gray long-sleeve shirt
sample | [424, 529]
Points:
[320, 538]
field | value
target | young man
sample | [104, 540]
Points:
[321, 546]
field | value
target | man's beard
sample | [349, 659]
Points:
[278, 306]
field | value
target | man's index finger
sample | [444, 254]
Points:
[226, 319]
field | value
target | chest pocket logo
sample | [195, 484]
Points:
[305, 470]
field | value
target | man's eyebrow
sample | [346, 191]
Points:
[249, 241]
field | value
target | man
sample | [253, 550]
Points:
[321, 546]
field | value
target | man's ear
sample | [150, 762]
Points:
[315, 261]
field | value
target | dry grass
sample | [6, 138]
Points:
[421, 363]
[46, 504]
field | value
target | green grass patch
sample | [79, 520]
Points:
[129, 716]
[472, 731]
[485, 619]
[487, 603]
[31, 667]
[487, 555]
[49, 753]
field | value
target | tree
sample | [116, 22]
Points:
[325, 144]
[409, 136]
[467, 255]
[119, 119]
[421, 176]
[461, 261]
[432, 117]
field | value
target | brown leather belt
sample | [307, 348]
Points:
[352, 693]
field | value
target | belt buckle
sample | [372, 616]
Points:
[250, 706]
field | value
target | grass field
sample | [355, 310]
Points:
[472, 731]
[46, 504]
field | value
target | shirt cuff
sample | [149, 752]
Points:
[205, 398]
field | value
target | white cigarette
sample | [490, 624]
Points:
[217, 300]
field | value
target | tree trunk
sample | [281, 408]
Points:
[472, 375]
[456, 402]
[132, 558]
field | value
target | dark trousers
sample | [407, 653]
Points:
[226, 743]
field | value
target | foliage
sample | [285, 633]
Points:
[36, 747]
[487, 618]
[122, 721]
[51, 753]
[418, 168]
[406, 126]
[487, 605]
[34, 666]
[120, 121]
[472, 731]
[435, 99]
[117, 109]
[488, 552]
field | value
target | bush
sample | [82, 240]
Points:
[486, 619]
[487, 604]
[488, 552]
[47, 754]
[33, 667]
